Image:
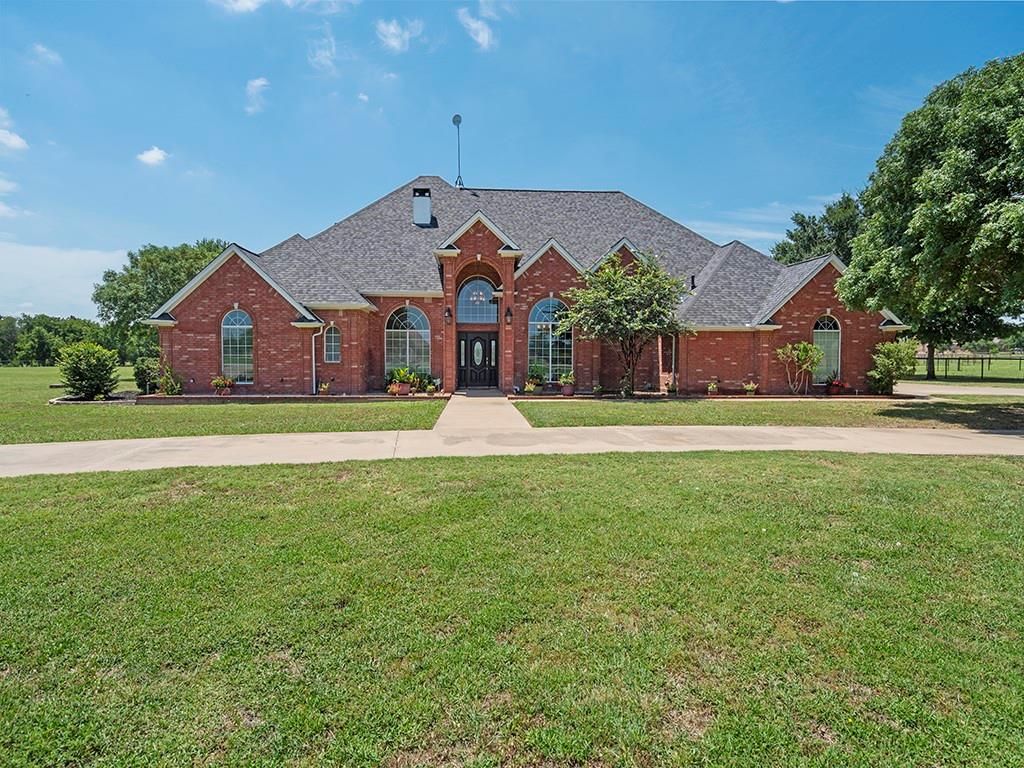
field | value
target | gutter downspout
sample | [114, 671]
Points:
[312, 350]
[675, 343]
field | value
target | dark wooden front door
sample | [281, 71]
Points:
[477, 359]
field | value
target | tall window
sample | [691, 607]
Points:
[546, 347]
[476, 302]
[407, 340]
[826, 336]
[236, 346]
[332, 345]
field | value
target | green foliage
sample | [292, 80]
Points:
[169, 382]
[800, 360]
[567, 379]
[222, 382]
[147, 374]
[942, 244]
[152, 275]
[8, 339]
[894, 360]
[536, 373]
[831, 232]
[87, 370]
[626, 305]
[36, 347]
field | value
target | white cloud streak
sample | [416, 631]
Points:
[478, 29]
[323, 51]
[7, 186]
[395, 36]
[153, 156]
[45, 55]
[239, 6]
[255, 100]
[363, 97]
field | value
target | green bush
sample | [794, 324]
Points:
[87, 370]
[894, 360]
[147, 374]
[169, 383]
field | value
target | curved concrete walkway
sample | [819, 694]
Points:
[94, 456]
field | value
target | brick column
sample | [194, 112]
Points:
[448, 370]
[507, 336]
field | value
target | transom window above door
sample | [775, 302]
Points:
[476, 303]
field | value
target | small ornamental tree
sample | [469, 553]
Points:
[627, 305]
[87, 370]
[894, 360]
[800, 360]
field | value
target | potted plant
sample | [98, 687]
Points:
[671, 389]
[568, 382]
[535, 374]
[222, 384]
[393, 388]
[403, 378]
[529, 387]
[431, 389]
[750, 387]
[712, 389]
[324, 389]
[834, 385]
[598, 390]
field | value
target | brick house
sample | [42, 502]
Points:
[468, 283]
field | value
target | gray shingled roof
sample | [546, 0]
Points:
[379, 250]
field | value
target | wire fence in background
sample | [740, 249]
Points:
[971, 368]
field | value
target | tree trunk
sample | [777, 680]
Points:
[930, 370]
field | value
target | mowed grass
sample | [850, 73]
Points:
[700, 609]
[968, 371]
[968, 412]
[25, 416]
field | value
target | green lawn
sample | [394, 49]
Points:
[967, 412]
[997, 372]
[25, 416]
[635, 610]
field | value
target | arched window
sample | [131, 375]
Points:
[236, 346]
[546, 347]
[332, 345]
[407, 340]
[827, 336]
[476, 302]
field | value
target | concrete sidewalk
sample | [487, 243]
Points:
[924, 389]
[484, 440]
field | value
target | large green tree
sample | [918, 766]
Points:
[942, 244]
[628, 305]
[831, 232]
[152, 275]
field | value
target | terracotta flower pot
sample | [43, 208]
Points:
[403, 388]
[834, 390]
[568, 390]
[224, 392]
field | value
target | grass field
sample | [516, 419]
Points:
[1000, 372]
[706, 609]
[967, 412]
[25, 416]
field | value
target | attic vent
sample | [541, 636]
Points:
[422, 216]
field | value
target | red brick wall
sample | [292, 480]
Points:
[280, 351]
[433, 308]
[732, 357]
[351, 375]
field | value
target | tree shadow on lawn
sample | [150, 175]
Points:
[985, 416]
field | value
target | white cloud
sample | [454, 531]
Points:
[396, 37]
[5, 118]
[12, 212]
[7, 186]
[363, 97]
[239, 6]
[11, 140]
[64, 287]
[45, 55]
[255, 102]
[152, 156]
[322, 52]
[322, 6]
[491, 9]
[478, 29]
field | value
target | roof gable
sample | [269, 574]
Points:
[448, 244]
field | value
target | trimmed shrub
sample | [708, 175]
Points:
[87, 370]
[147, 374]
[894, 360]
[169, 382]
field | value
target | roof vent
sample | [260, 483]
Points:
[422, 216]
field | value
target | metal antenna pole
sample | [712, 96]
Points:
[457, 122]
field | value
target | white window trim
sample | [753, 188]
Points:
[337, 330]
[551, 335]
[839, 347]
[252, 351]
[406, 331]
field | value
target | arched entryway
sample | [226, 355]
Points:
[477, 351]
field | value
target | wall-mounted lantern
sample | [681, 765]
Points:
[508, 316]
[447, 315]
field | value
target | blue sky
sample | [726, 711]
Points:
[126, 123]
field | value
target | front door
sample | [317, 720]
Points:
[478, 359]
